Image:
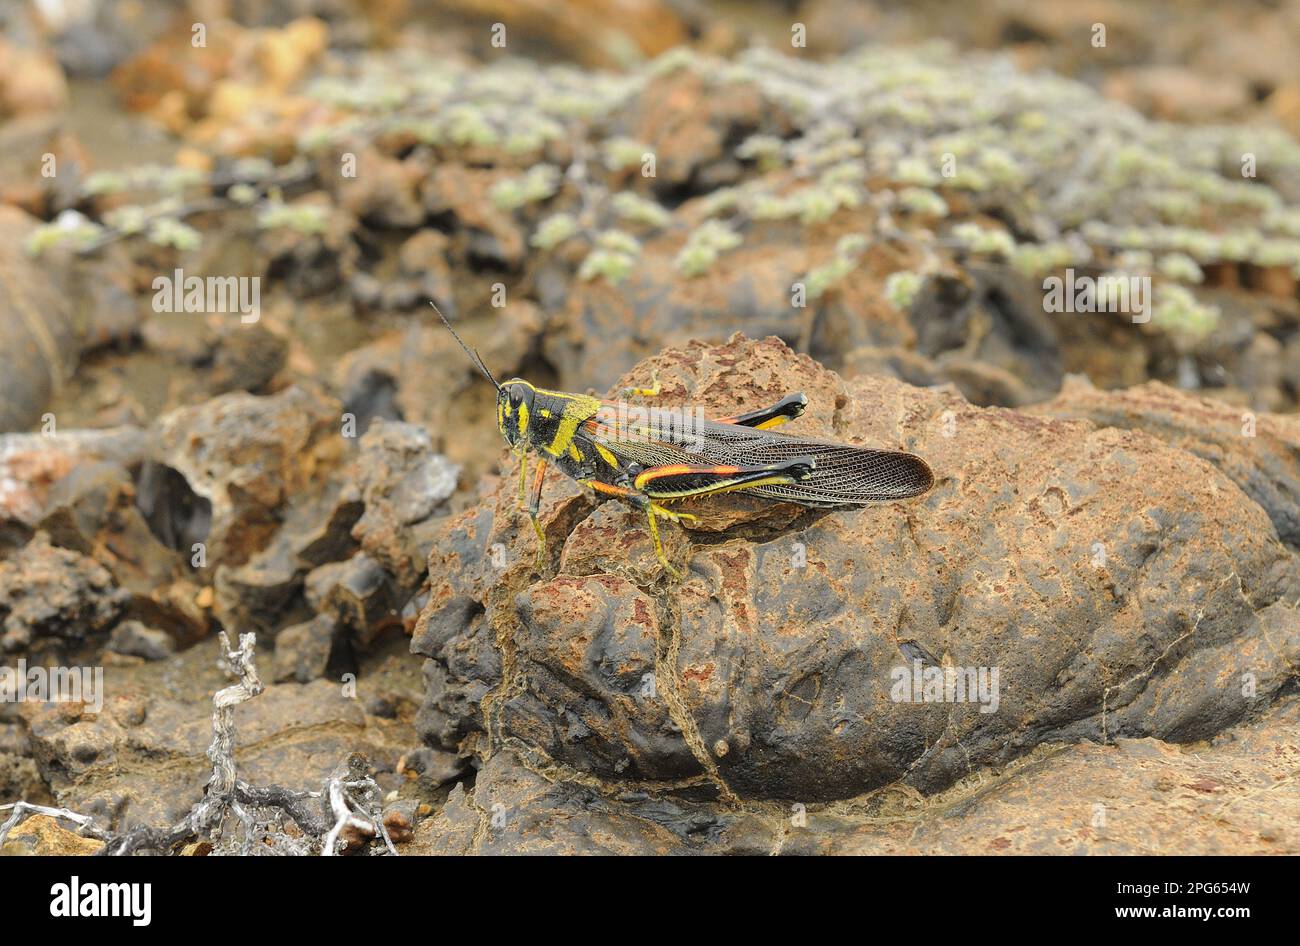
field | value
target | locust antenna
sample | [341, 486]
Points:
[469, 352]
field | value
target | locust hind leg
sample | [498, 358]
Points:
[786, 409]
[680, 481]
[652, 391]
[641, 501]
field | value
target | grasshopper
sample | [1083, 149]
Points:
[649, 465]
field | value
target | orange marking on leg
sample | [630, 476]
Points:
[680, 469]
[606, 488]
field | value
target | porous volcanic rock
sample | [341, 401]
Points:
[143, 758]
[1259, 452]
[1235, 794]
[247, 455]
[1118, 585]
[53, 596]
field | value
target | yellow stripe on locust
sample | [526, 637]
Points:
[577, 408]
[607, 456]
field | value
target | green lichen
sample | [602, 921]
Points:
[618, 241]
[763, 149]
[1278, 252]
[818, 204]
[915, 171]
[706, 243]
[1034, 260]
[245, 194]
[634, 209]
[539, 183]
[920, 200]
[721, 201]
[307, 219]
[467, 125]
[902, 288]
[168, 231]
[70, 229]
[619, 154]
[105, 182]
[1181, 267]
[984, 240]
[554, 230]
[823, 278]
[612, 258]
[1178, 312]
[130, 219]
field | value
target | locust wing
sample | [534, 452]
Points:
[844, 474]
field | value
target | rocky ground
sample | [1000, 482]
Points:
[1114, 525]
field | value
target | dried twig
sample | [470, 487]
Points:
[226, 795]
[85, 824]
[350, 799]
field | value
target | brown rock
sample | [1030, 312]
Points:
[1119, 586]
[43, 836]
[385, 191]
[1256, 451]
[52, 597]
[143, 759]
[357, 594]
[38, 341]
[1138, 796]
[247, 456]
[402, 484]
[1177, 94]
[31, 81]
[302, 651]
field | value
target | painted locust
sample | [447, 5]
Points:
[649, 464]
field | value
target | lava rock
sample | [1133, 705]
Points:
[50, 595]
[436, 766]
[303, 651]
[1257, 451]
[135, 640]
[246, 456]
[38, 339]
[292, 735]
[357, 594]
[43, 836]
[247, 358]
[1106, 578]
[267, 589]
[1136, 796]
[403, 483]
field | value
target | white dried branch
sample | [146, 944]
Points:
[353, 798]
[85, 824]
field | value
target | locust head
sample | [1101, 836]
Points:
[514, 409]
